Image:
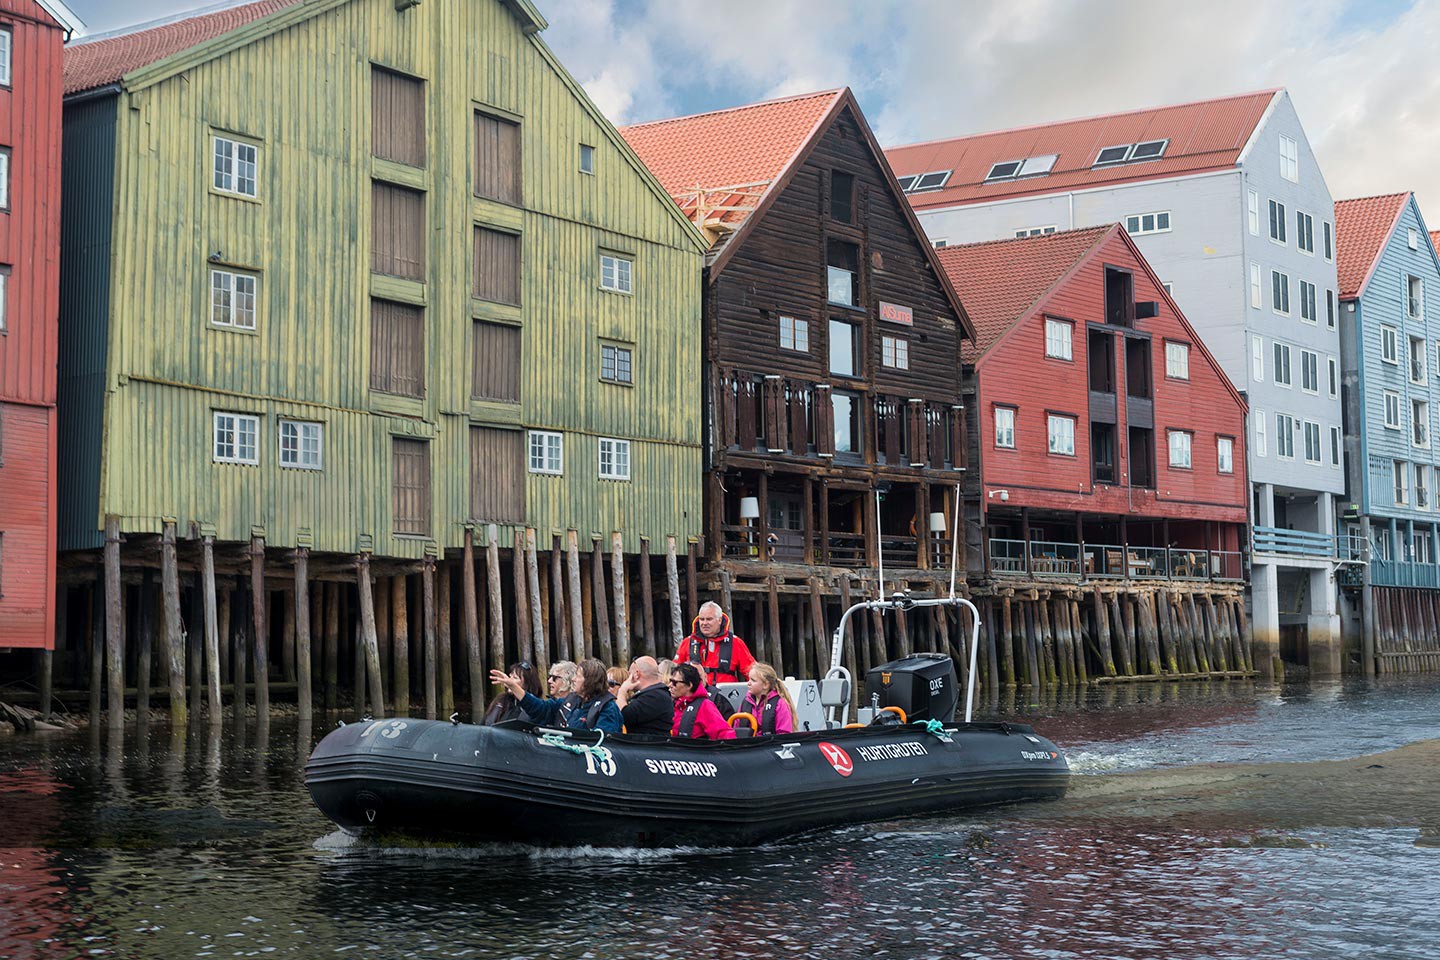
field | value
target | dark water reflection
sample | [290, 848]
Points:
[206, 844]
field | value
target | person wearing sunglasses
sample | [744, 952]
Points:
[696, 715]
[597, 709]
[558, 685]
[644, 700]
[507, 705]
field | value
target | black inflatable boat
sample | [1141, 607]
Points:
[519, 782]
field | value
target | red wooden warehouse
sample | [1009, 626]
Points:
[1110, 442]
[32, 35]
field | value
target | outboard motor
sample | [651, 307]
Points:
[923, 685]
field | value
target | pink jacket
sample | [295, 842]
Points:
[709, 724]
[784, 720]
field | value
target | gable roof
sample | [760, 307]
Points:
[1203, 136]
[1435, 241]
[725, 168]
[1362, 228]
[1002, 281]
[63, 16]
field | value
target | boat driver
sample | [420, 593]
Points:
[713, 647]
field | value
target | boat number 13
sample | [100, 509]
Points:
[605, 765]
[390, 729]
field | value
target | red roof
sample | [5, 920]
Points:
[1204, 136]
[94, 63]
[1362, 227]
[1001, 281]
[697, 159]
[1435, 240]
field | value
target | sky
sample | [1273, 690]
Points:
[1362, 73]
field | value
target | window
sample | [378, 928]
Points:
[1402, 482]
[4, 296]
[1392, 409]
[1309, 371]
[1419, 423]
[495, 362]
[232, 299]
[1004, 170]
[616, 273]
[1037, 166]
[795, 334]
[235, 167]
[940, 244]
[1277, 221]
[1328, 229]
[497, 267]
[1180, 448]
[1148, 150]
[1252, 212]
[1305, 232]
[1284, 436]
[1035, 231]
[845, 346]
[397, 348]
[1142, 223]
[1289, 159]
[1414, 297]
[1257, 359]
[1005, 427]
[842, 197]
[1413, 240]
[907, 181]
[1422, 502]
[497, 158]
[616, 364]
[236, 438]
[1177, 361]
[842, 273]
[1225, 454]
[1169, 287]
[1334, 376]
[4, 178]
[1313, 452]
[1058, 337]
[397, 117]
[497, 474]
[1389, 344]
[1256, 287]
[411, 486]
[300, 444]
[1062, 435]
[1279, 291]
[845, 409]
[1330, 309]
[587, 158]
[5, 41]
[1282, 364]
[1116, 154]
[547, 452]
[1418, 356]
[1260, 422]
[397, 231]
[614, 459]
[1335, 446]
[930, 181]
[895, 352]
[1307, 302]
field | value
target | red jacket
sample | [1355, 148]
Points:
[709, 724]
[741, 659]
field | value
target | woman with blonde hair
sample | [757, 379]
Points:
[769, 702]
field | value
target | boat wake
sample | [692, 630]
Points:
[346, 844]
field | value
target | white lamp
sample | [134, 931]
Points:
[749, 508]
[937, 522]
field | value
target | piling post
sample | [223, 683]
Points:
[370, 644]
[524, 631]
[576, 600]
[212, 632]
[301, 614]
[647, 599]
[261, 643]
[540, 655]
[692, 588]
[495, 622]
[817, 623]
[427, 605]
[287, 639]
[175, 650]
[195, 642]
[560, 620]
[400, 645]
[443, 653]
[238, 661]
[114, 627]
[1007, 634]
[602, 619]
[470, 610]
[622, 612]
[672, 586]
[144, 666]
[95, 617]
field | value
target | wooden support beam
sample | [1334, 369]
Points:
[212, 631]
[672, 587]
[144, 666]
[577, 600]
[427, 605]
[261, 644]
[287, 637]
[470, 612]
[95, 625]
[817, 624]
[691, 586]
[301, 613]
[174, 648]
[495, 619]
[331, 621]
[622, 612]
[224, 628]
[399, 645]
[443, 652]
[383, 626]
[647, 599]
[114, 627]
[195, 642]
[603, 650]
[538, 654]
[364, 584]
[560, 629]
[524, 630]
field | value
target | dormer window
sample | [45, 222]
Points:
[930, 181]
[907, 181]
[1148, 150]
[1113, 155]
[1004, 171]
[1131, 152]
[1037, 166]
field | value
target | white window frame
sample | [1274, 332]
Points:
[1277, 226]
[617, 273]
[1257, 287]
[1424, 357]
[1418, 303]
[1059, 339]
[1257, 358]
[587, 159]
[4, 178]
[1285, 436]
[1177, 360]
[1289, 159]
[1260, 428]
[1305, 233]
[1419, 423]
[1060, 434]
[1334, 371]
[1035, 231]
[232, 424]
[226, 174]
[1392, 404]
[618, 452]
[4, 297]
[1319, 457]
[1310, 372]
[549, 445]
[1389, 344]
[1335, 446]
[227, 283]
[895, 353]
[7, 45]
[1005, 428]
[1423, 499]
[306, 449]
[1328, 231]
[1280, 292]
[1401, 487]
[1277, 351]
[1329, 309]
[1308, 313]
[1224, 454]
[1141, 230]
[1412, 240]
[1252, 211]
[617, 349]
[1179, 443]
[797, 332]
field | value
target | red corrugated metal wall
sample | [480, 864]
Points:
[30, 249]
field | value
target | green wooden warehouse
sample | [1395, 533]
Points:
[365, 292]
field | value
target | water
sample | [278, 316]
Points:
[209, 847]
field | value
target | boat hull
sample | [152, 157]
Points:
[514, 783]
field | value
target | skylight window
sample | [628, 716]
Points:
[1131, 152]
[1148, 149]
[1113, 155]
[1005, 171]
[907, 181]
[1036, 166]
[930, 181]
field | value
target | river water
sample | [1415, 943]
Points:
[1219, 820]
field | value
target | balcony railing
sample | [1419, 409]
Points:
[1093, 561]
[1404, 573]
[1295, 543]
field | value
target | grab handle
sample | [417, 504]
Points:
[750, 718]
[896, 710]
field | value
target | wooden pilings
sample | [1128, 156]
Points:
[1407, 630]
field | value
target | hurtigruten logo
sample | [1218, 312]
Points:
[1038, 755]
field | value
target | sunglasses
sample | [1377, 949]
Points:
[673, 683]
[614, 683]
[555, 676]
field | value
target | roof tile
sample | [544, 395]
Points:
[1362, 226]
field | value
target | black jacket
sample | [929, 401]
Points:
[650, 711]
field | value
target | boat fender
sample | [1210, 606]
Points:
[748, 718]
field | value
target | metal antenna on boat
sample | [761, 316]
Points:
[879, 546]
[954, 540]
